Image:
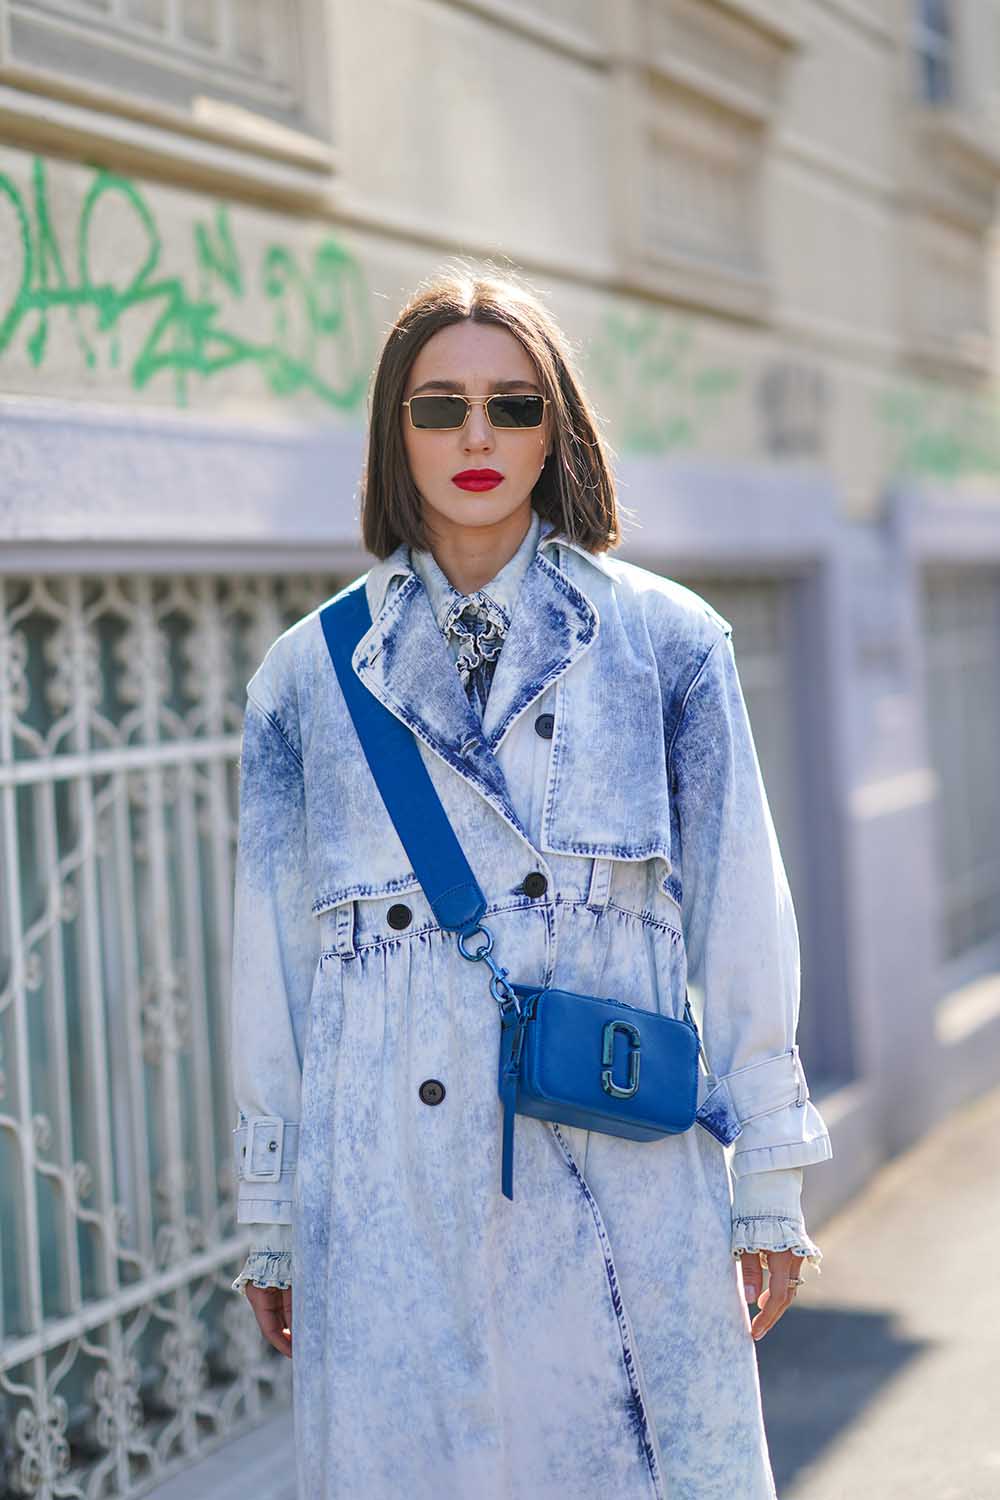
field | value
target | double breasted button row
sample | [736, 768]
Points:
[533, 884]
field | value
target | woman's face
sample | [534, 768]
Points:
[477, 360]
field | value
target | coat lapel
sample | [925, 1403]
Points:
[552, 625]
[405, 661]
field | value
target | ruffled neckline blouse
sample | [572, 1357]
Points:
[475, 625]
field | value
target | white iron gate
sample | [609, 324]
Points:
[123, 1353]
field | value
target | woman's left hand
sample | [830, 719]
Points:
[779, 1296]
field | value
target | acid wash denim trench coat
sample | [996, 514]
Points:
[590, 1339]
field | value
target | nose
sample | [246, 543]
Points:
[477, 433]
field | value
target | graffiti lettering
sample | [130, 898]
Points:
[320, 340]
[660, 400]
[942, 434]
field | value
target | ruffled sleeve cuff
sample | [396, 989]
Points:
[767, 1215]
[268, 1263]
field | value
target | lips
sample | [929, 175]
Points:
[477, 479]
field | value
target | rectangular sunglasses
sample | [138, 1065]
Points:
[441, 413]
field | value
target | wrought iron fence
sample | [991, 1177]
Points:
[124, 1355]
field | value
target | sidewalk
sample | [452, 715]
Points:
[883, 1381]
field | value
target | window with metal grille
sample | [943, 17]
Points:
[124, 1354]
[962, 653]
[934, 48]
[241, 52]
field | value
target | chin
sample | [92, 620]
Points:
[473, 510]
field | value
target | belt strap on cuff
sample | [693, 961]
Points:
[728, 1103]
[265, 1147]
[767, 1085]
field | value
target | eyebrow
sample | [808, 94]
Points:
[459, 386]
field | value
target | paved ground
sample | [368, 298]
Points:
[883, 1382]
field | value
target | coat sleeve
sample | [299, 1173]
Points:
[740, 930]
[275, 954]
[767, 1215]
[269, 1261]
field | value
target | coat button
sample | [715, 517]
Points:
[544, 725]
[431, 1091]
[535, 884]
[399, 916]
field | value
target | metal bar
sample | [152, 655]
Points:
[140, 1196]
[194, 955]
[29, 1277]
[128, 757]
[54, 998]
[92, 997]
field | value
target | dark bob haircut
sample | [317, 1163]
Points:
[575, 490]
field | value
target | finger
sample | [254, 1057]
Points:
[267, 1307]
[753, 1275]
[270, 1321]
[286, 1300]
[775, 1301]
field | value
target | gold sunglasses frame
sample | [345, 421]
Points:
[470, 402]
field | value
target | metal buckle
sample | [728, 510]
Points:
[801, 1083]
[500, 987]
[271, 1173]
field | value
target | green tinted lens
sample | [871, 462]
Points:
[516, 411]
[437, 411]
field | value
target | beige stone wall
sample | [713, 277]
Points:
[763, 249]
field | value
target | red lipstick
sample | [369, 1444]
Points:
[477, 479]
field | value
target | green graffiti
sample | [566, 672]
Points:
[941, 433]
[321, 338]
[659, 398]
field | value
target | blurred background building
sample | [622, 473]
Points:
[767, 226]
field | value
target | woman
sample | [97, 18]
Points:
[582, 722]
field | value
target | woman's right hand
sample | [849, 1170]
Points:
[272, 1307]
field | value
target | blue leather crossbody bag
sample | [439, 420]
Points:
[582, 1060]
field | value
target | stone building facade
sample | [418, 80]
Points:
[767, 225]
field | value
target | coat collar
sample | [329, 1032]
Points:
[404, 660]
[398, 565]
[498, 597]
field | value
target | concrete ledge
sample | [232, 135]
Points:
[85, 476]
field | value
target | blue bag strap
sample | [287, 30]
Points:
[393, 755]
[424, 830]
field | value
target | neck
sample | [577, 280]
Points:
[470, 556]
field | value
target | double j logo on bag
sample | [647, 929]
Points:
[634, 1041]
